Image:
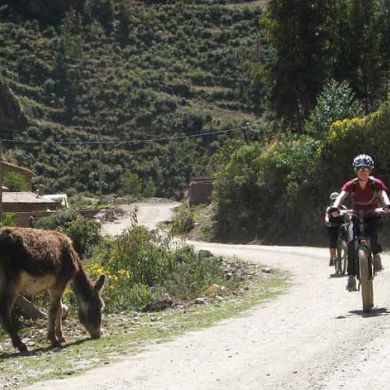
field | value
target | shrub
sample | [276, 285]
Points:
[149, 190]
[141, 265]
[15, 182]
[82, 231]
[193, 274]
[258, 191]
[9, 219]
[350, 137]
[183, 221]
[131, 184]
[58, 220]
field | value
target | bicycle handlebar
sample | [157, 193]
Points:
[378, 210]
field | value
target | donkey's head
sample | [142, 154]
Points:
[90, 310]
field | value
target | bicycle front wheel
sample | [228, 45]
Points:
[366, 279]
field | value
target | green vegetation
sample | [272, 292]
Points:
[8, 220]
[258, 191]
[142, 266]
[84, 232]
[15, 182]
[140, 72]
[183, 221]
[310, 43]
[326, 65]
[293, 176]
[145, 79]
[335, 102]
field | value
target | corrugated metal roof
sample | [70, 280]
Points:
[24, 197]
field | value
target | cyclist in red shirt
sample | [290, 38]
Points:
[367, 193]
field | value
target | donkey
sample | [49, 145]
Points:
[32, 261]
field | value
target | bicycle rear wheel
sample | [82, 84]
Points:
[340, 263]
[366, 280]
[344, 258]
[338, 259]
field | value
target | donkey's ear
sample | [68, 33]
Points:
[99, 283]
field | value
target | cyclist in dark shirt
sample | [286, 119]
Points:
[333, 225]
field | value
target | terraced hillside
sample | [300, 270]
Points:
[139, 72]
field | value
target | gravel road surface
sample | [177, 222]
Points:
[313, 337]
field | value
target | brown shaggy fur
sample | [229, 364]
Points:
[33, 260]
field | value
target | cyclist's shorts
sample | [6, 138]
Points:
[333, 233]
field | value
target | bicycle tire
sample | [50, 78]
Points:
[344, 259]
[338, 259]
[366, 282]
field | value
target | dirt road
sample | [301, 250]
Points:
[149, 214]
[313, 337]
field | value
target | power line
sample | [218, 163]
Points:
[119, 142]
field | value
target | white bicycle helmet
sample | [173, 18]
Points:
[363, 161]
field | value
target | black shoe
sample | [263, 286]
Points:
[351, 284]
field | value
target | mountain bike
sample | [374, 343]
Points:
[341, 260]
[364, 258]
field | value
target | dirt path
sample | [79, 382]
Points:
[314, 337]
[148, 214]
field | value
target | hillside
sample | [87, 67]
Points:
[139, 72]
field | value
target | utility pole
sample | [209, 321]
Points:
[245, 131]
[100, 164]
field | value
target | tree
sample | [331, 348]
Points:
[384, 47]
[339, 43]
[335, 102]
[46, 12]
[131, 184]
[365, 27]
[298, 32]
[124, 25]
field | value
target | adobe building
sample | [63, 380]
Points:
[25, 204]
[200, 190]
[16, 202]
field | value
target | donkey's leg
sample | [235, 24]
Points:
[59, 334]
[55, 312]
[6, 306]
